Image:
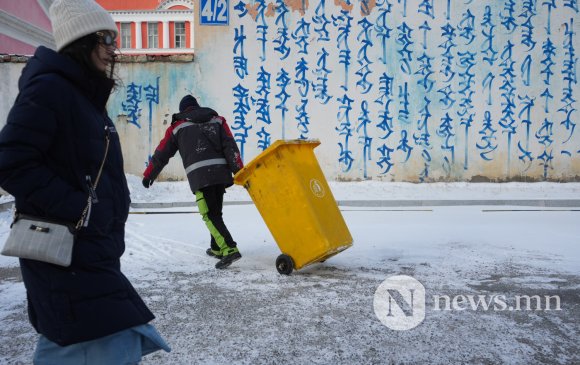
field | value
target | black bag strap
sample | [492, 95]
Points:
[93, 188]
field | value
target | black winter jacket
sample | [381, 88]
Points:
[51, 145]
[208, 150]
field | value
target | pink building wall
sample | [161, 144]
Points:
[29, 13]
[12, 46]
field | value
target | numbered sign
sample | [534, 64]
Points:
[214, 12]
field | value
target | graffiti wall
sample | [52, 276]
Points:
[142, 107]
[406, 90]
[396, 90]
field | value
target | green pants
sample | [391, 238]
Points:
[210, 203]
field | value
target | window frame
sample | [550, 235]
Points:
[153, 35]
[126, 37]
[180, 39]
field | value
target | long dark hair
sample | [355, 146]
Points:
[80, 51]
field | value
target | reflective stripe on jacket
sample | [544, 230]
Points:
[208, 150]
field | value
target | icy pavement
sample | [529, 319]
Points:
[324, 314]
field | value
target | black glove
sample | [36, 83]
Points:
[147, 182]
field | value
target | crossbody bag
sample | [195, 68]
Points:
[48, 240]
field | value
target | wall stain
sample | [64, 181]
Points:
[298, 5]
[271, 10]
[295, 5]
[366, 7]
[253, 10]
[344, 5]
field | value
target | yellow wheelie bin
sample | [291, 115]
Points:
[291, 193]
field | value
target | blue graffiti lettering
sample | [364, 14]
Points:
[265, 139]
[345, 130]
[447, 65]
[508, 20]
[282, 39]
[489, 53]
[321, 22]
[404, 145]
[550, 4]
[487, 84]
[343, 22]
[262, 27]
[466, 27]
[364, 138]
[321, 87]
[572, 4]
[426, 7]
[405, 40]
[528, 13]
[507, 121]
[446, 131]
[425, 28]
[404, 103]
[526, 111]
[303, 88]
[241, 8]
[549, 51]
[544, 135]
[382, 29]
[487, 144]
[570, 79]
[525, 69]
[131, 103]
[241, 110]
[425, 71]
[240, 60]
[282, 81]
[364, 37]
[301, 35]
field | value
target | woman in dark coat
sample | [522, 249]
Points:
[51, 149]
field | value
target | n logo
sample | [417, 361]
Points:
[399, 302]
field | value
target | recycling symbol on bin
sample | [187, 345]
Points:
[316, 188]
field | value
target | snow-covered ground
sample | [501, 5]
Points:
[323, 313]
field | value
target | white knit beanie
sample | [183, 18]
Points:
[74, 19]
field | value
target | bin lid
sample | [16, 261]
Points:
[241, 176]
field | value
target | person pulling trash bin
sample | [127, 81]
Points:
[210, 157]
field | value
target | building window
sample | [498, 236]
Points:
[125, 35]
[152, 35]
[180, 35]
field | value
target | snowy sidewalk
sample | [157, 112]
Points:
[464, 256]
[385, 194]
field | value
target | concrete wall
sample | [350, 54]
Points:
[399, 90]
[10, 70]
[142, 107]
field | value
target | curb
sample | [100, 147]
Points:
[548, 203]
[545, 203]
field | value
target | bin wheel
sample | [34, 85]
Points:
[284, 264]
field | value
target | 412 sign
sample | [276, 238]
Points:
[214, 12]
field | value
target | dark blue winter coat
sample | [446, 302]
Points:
[51, 145]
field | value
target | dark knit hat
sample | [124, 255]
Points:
[186, 102]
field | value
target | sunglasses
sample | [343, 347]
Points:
[106, 38]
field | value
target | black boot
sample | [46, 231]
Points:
[228, 259]
[213, 253]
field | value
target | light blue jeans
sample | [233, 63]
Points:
[121, 348]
